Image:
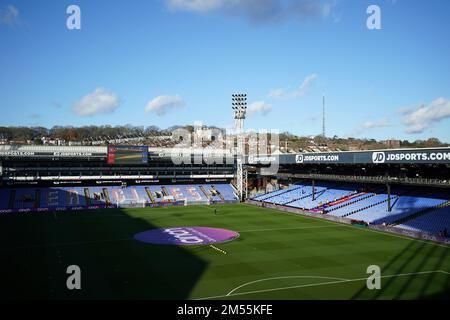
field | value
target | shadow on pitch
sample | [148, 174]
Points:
[37, 248]
[416, 257]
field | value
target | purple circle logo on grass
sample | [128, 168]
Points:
[186, 236]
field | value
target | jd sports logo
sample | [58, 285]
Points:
[299, 158]
[378, 157]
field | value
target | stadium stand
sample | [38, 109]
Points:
[353, 202]
[35, 199]
[351, 187]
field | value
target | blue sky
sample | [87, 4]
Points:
[168, 62]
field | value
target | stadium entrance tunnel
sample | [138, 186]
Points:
[37, 248]
[187, 236]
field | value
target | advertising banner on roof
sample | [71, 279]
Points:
[397, 156]
[31, 154]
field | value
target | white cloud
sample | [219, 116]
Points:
[259, 107]
[304, 87]
[100, 101]
[9, 15]
[383, 123]
[258, 10]
[421, 118]
[368, 125]
[196, 5]
[161, 104]
[277, 93]
[306, 84]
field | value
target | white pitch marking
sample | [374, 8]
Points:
[279, 278]
[319, 284]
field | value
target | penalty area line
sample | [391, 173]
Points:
[232, 292]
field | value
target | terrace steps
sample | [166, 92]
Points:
[318, 194]
[106, 195]
[208, 196]
[279, 194]
[370, 206]
[219, 194]
[356, 199]
[150, 195]
[87, 196]
[394, 199]
[302, 197]
[323, 206]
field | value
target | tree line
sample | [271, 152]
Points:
[86, 133]
[23, 134]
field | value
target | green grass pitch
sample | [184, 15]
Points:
[277, 256]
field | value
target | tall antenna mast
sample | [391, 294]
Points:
[323, 118]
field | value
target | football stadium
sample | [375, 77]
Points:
[320, 169]
[312, 238]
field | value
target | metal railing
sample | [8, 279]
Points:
[369, 179]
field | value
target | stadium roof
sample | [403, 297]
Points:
[388, 156]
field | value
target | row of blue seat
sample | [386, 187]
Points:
[358, 204]
[301, 195]
[322, 197]
[28, 198]
[272, 194]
